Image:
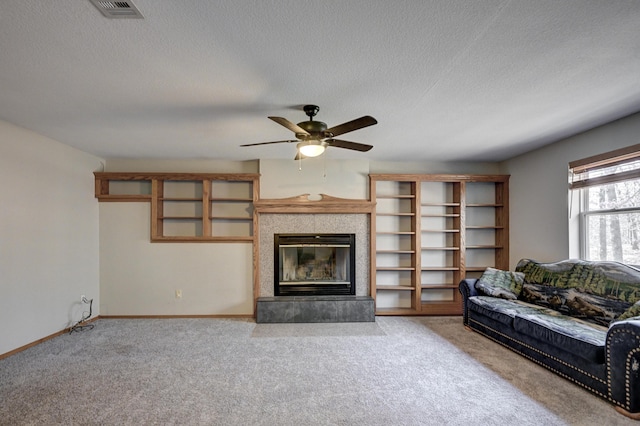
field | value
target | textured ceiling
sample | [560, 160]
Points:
[446, 79]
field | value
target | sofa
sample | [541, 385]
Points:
[579, 319]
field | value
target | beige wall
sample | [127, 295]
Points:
[138, 277]
[48, 236]
[539, 207]
[58, 242]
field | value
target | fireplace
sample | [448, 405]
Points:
[314, 264]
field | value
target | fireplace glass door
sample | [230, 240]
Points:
[314, 264]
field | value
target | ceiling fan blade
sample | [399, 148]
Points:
[267, 143]
[349, 145]
[352, 125]
[289, 125]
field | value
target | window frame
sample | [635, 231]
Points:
[582, 185]
[585, 213]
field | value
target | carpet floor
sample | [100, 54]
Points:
[396, 371]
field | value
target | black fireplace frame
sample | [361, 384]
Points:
[338, 289]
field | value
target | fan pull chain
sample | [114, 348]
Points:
[324, 165]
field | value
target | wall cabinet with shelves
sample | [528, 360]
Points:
[188, 207]
[430, 231]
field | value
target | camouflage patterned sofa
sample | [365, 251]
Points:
[579, 319]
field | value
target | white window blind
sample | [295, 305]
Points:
[614, 166]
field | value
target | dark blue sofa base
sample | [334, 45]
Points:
[614, 377]
[591, 377]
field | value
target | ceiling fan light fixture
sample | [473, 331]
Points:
[311, 148]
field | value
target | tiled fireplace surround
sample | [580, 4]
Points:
[356, 308]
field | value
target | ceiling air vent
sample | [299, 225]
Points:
[117, 9]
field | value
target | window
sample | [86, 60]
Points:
[609, 217]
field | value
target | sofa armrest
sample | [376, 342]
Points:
[623, 363]
[467, 288]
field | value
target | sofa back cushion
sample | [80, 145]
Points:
[598, 292]
[502, 284]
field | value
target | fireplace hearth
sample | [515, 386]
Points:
[314, 264]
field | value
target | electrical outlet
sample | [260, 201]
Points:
[178, 294]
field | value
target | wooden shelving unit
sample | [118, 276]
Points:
[188, 207]
[430, 231]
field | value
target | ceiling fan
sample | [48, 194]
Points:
[313, 137]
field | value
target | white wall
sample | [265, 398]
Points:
[539, 225]
[48, 236]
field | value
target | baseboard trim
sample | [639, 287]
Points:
[44, 339]
[174, 316]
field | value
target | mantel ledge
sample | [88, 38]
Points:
[302, 204]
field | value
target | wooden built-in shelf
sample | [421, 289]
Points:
[302, 204]
[448, 222]
[172, 197]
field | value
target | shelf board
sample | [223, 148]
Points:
[232, 200]
[440, 248]
[229, 218]
[177, 199]
[395, 287]
[396, 197]
[395, 233]
[439, 286]
[483, 227]
[439, 268]
[123, 197]
[395, 268]
[395, 251]
[201, 238]
[180, 217]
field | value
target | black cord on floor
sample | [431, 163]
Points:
[80, 326]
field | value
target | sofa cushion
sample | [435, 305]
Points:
[578, 337]
[598, 292]
[503, 284]
[575, 302]
[503, 311]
